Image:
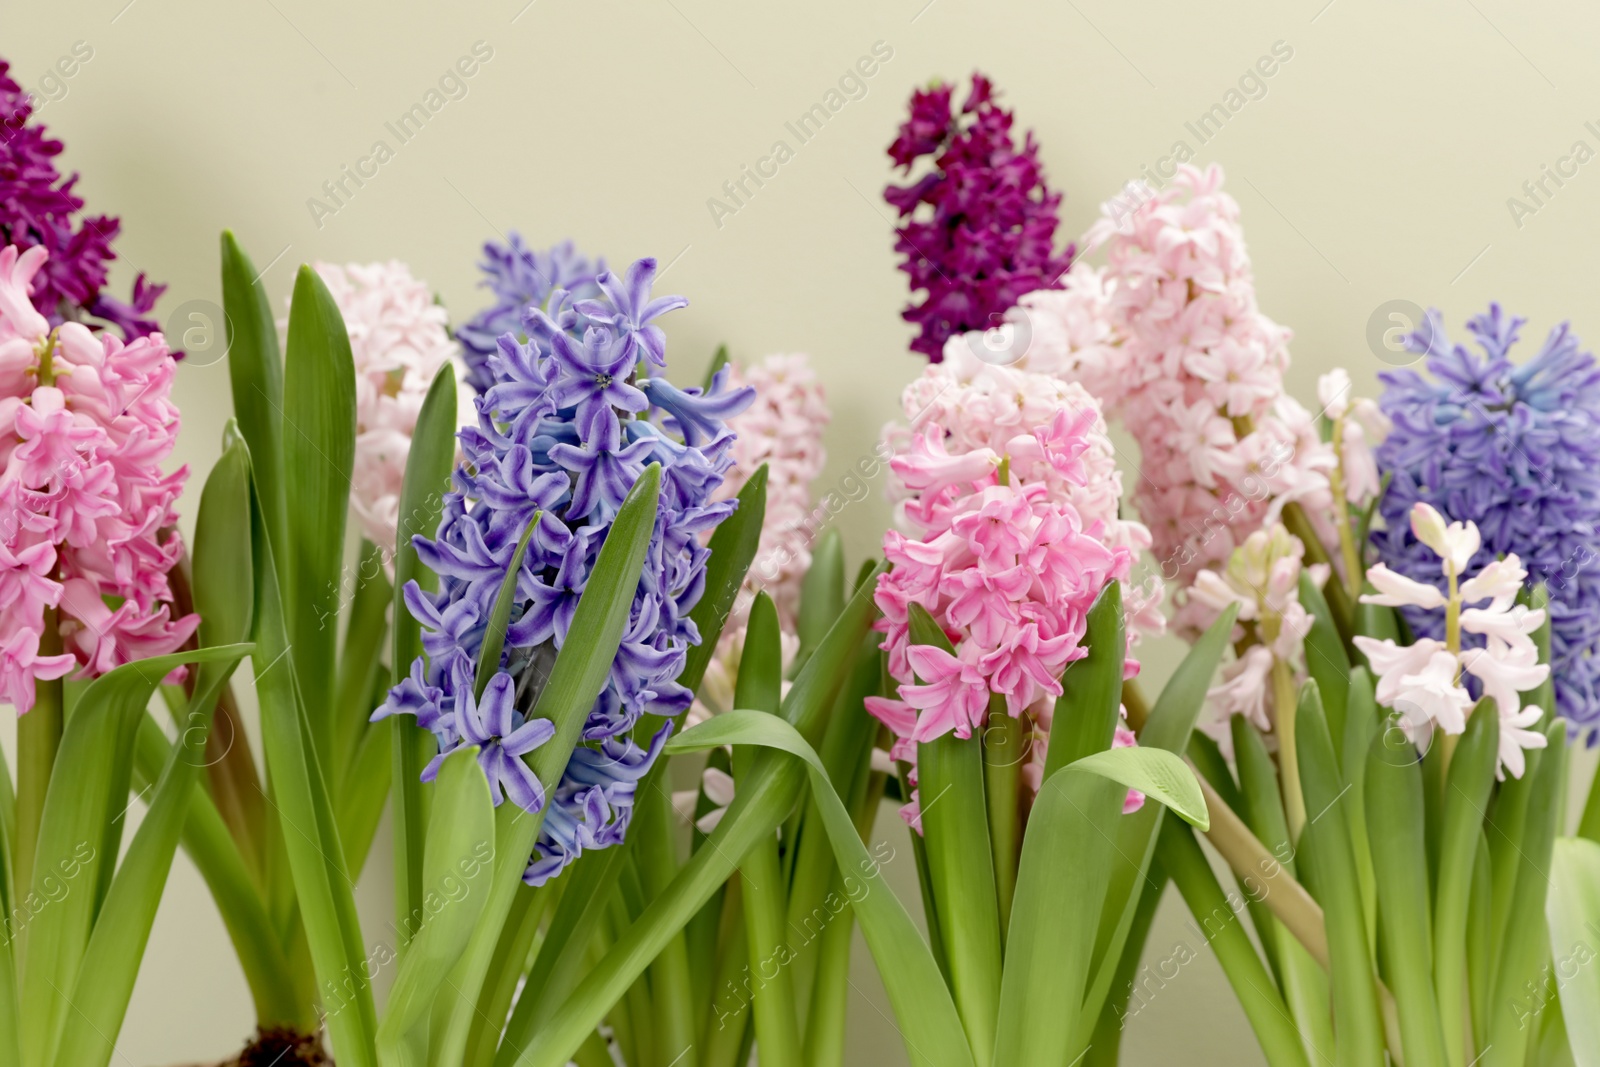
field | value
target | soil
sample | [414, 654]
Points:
[282, 1048]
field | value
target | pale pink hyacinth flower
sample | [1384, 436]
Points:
[1170, 337]
[782, 428]
[399, 338]
[1421, 682]
[87, 517]
[1263, 579]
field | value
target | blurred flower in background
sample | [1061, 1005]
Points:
[40, 209]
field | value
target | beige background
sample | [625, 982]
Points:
[1377, 166]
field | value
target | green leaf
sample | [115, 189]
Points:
[1168, 727]
[224, 597]
[1523, 951]
[82, 802]
[1066, 855]
[1326, 856]
[1258, 996]
[822, 595]
[1470, 782]
[1399, 856]
[576, 678]
[762, 803]
[925, 1013]
[426, 480]
[319, 442]
[1091, 688]
[494, 634]
[216, 856]
[255, 371]
[760, 687]
[733, 545]
[1574, 915]
[456, 869]
[1158, 774]
[1326, 660]
[312, 847]
[360, 662]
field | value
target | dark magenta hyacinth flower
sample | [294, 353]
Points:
[977, 231]
[40, 209]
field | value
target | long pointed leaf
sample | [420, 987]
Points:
[422, 490]
[576, 679]
[319, 441]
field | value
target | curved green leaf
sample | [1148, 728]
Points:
[926, 1015]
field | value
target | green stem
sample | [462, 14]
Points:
[675, 1029]
[950, 784]
[1003, 752]
[1182, 859]
[1284, 696]
[38, 739]
[728, 1020]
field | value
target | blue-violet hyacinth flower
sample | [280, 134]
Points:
[1516, 450]
[520, 278]
[568, 420]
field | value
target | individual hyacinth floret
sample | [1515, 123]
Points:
[87, 516]
[1516, 451]
[520, 278]
[571, 420]
[977, 231]
[40, 209]
[398, 340]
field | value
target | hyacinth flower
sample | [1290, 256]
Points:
[520, 278]
[1509, 448]
[781, 430]
[89, 534]
[40, 209]
[571, 421]
[977, 230]
[87, 546]
[1194, 370]
[399, 339]
[1422, 681]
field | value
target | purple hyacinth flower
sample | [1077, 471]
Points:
[1516, 450]
[490, 724]
[553, 436]
[605, 471]
[594, 378]
[699, 413]
[631, 309]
